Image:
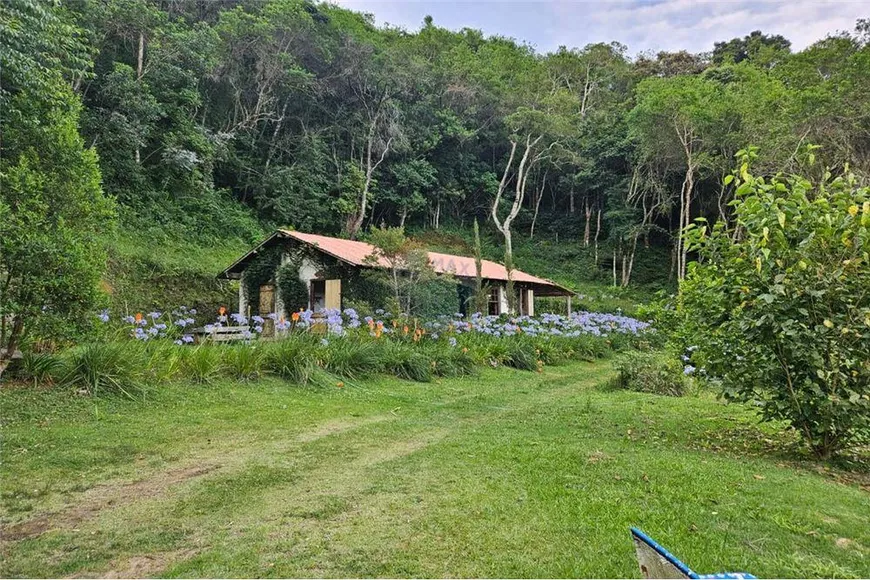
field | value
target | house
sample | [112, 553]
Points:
[321, 272]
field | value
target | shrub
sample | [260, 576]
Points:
[202, 364]
[553, 352]
[110, 368]
[649, 372]
[779, 308]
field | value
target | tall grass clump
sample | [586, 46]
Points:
[294, 359]
[450, 361]
[521, 355]
[202, 364]
[42, 368]
[651, 372]
[589, 348]
[243, 362]
[352, 359]
[106, 368]
[163, 361]
[406, 362]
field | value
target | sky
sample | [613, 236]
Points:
[642, 25]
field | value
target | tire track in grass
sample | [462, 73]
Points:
[333, 486]
[90, 503]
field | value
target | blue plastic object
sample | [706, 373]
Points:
[656, 562]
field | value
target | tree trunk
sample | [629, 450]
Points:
[402, 217]
[12, 345]
[140, 66]
[627, 267]
[538, 206]
[355, 224]
[597, 232]
[571, 201]
[587, 231]
[690, 183]
[140, 59]
[614, 267]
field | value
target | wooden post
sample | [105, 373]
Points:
[568, 300]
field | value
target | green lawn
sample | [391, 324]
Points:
[506, 474]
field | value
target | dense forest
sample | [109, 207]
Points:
[213, 120]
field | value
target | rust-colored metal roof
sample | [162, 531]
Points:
[357, 254]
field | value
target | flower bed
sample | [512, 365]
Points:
[331, 347]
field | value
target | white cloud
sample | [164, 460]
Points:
[643, 25]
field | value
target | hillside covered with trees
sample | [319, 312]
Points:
[213, 122]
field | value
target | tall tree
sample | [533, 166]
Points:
[52, 209]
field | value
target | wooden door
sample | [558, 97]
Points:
[267, 299]
[333, 294]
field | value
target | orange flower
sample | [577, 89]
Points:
[380, 324]
[339, 384]
[395, 323]
[294, 317]
[405, 329]
[138, 317]
[222, 310]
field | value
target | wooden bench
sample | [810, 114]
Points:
[220, 334]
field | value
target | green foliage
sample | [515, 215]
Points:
[148, 272]
[522, 355]
[263, 269]
[778, 305]
[41, 367]
[352, 358]
[243, 362]
[408, 273]
[434, 297]
[449, 361]
[203, 363]
[294, 359]
[292, 290]
[40, 50]
[53, 212]
[480, 297]
[651, 372]
[406, 362]
[105, 368]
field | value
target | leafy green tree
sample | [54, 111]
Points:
[52, 206]
[480, 298]
[407, 265]
[678, 123]
[761, 49]
[778, 304]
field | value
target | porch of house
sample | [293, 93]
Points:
[326, 294]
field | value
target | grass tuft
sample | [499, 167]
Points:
[106, 368]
